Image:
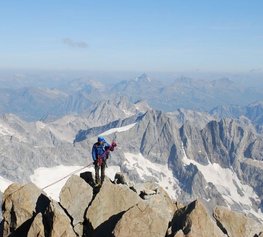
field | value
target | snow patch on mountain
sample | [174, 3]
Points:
[119, 129]
[228, 184]
[40, 125]
[5, 131]
[128, 113]
[4, 183]
[147, 169]
[43, 177]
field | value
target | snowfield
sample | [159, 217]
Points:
[43, 177]
[146, 169]
[4, 183]
[120, 129]
[228, 184]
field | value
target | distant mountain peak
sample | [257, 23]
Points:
[143, 78]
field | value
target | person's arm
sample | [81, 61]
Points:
[94, 153]
[106, 146]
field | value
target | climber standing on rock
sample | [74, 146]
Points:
[100, 153]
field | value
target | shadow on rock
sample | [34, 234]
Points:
[22, 230]
[2, 228]
[105, 229]
[42, 203]
[88, 177]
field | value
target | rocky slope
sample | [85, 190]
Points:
[115, 210]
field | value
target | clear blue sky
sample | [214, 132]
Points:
[206, 35]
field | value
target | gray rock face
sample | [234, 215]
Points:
[106, 111]
[253, 111]
[197, 118]
[27, 146]
[252, 171]
[228, 111]
[75, 197]
[229, 143]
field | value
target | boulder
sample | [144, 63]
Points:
[20, 204]
[146, 190]
[236, 224]
[37, 227]
[75, 197]
[121, 178]
[144, 219]
[162, 203]
[149, 217]
[194, 220]
[57, 222]
[108, 206]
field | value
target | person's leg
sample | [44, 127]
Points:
[97, 176]
[103, 165]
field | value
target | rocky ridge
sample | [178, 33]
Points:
[115, 210]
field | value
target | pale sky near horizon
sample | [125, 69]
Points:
[206, 35]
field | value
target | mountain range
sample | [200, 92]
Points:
[76, 96]
[190, 154]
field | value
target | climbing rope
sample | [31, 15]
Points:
[73, 172]
[107, 152]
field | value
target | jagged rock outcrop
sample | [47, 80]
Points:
[194, 220]
[142, 220]
[76, 205]
[20, 204]
[57, 222]
[37, 227]
[120, 178]
[115, 210]
[149, 217]
[108, 206]
[236, 224]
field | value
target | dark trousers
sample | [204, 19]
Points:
[99, 180]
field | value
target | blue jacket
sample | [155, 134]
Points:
[99, 150]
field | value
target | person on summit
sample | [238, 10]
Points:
[100, 153]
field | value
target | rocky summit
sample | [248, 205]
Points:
[116, 209]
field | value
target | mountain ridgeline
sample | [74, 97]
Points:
[190, 154]
[77, 96]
